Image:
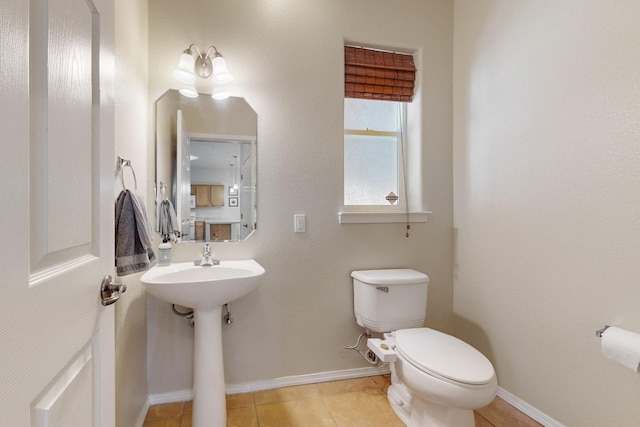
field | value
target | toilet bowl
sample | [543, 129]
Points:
[447, 379]
[437, 380]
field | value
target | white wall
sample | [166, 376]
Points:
[131, 120]
[547, 198]
[288, 57]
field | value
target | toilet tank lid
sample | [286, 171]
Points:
[390, 276]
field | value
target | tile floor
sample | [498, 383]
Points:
[358, 402]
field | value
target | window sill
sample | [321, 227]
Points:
[381, 217]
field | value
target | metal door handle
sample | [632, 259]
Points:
[110, 292]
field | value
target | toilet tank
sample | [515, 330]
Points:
[390, 299]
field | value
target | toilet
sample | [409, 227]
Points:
[437, 380]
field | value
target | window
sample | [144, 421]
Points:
[379, 85]
[373, 154]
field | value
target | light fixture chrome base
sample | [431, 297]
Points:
[203, 66]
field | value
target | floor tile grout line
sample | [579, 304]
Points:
[324, 403]
[484, 418]
[378, 387]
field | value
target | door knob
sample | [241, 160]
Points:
[110, 292]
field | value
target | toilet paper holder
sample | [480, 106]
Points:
[599, 332]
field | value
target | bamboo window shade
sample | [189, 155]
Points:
[378, 75]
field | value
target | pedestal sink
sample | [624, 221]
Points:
[206, 290]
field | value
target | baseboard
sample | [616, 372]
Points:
[319, 377]
[159, 398]
[170, 397]
[182, 395]
[143, 413]
[527, 409]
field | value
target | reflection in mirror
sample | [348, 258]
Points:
[206, 157]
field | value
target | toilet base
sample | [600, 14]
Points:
[415, 412]
[429, 414]
[400, 399]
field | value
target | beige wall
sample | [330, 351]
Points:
[131, 117]
[547, 198]
[287, 56]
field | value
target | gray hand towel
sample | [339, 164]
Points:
[142, 221]
[167, 221]
[133, 243]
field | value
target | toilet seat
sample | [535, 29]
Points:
[444, 356]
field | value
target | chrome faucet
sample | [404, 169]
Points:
[207, 259]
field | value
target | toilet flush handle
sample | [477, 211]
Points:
[383, 289]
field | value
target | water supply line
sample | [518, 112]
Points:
[369, 356]
[227, 315]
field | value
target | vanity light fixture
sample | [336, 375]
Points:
[204, 65]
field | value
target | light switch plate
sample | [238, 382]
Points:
[299, 223]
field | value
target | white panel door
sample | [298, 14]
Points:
[57, 209]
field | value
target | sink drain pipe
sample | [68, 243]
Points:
[189, 315]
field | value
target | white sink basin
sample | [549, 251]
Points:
[202, 288]
[206, 290]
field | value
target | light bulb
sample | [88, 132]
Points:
[189, 92]
[221, 74]
[184, 72]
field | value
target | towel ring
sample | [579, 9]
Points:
[123, 163]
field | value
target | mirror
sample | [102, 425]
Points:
[206, 159]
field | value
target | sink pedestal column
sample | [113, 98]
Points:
[209, 401]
